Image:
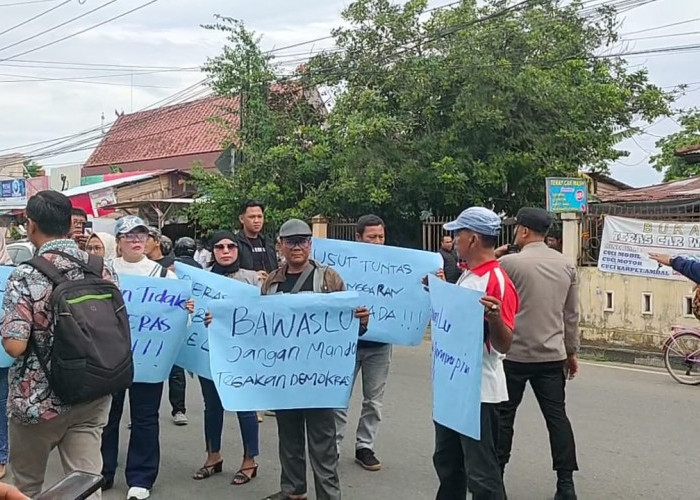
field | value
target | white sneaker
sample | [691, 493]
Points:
[180, 419]
[137, 493]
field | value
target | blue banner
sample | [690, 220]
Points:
[389, 281]
[284, 351]
[457, 331]
[206, 286]
[5, 359]
[158, 320]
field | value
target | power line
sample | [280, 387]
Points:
[28, 2]
[99, 66]
[54, 149]
[654, 37]
[662, 26]
[12, 28]
[81, 31]
[49, 30]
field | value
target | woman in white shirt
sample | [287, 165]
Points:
[143, 457]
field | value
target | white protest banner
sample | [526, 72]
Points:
[627, 243]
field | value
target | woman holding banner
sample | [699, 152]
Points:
[226, 263]
[143, 456]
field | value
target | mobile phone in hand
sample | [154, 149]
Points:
[75, 486]
[87, 227]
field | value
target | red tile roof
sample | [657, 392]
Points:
[172, 131]
[683, 189]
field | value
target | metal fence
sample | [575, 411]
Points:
[433, 233]
[342, 229]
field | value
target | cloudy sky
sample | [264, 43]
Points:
[42, 100]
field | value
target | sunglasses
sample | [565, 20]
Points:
[297, 241]
[228, 246]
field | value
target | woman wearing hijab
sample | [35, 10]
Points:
[103, 245]
[225, 263]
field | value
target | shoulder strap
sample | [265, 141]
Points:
[47, 269]
[94, 264]
[163, 272]
[302, 278]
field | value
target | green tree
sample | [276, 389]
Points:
[434, 111]
[473, 105]
[32, 169]
[673, 166]
[272, 127]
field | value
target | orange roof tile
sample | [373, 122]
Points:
[178, 130]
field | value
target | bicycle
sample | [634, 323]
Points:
[681, 353]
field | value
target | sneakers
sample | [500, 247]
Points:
[180, 419]
[365, 457]
[138, 493]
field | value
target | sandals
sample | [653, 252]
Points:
[208, 471]
[240, 478]
[281, 495]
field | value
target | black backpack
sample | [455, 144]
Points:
[91, 354]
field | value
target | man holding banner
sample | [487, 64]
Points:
[373, 360]
[462, 462]
[302, 275]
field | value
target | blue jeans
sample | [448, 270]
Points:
[143, 457]
[214, 422]
[3, 415]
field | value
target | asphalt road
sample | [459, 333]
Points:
[638, 436]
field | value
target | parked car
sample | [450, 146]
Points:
[20, 251]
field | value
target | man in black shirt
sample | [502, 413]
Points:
[256, 252]
[154, 249]
[177, 383]
[451, 267]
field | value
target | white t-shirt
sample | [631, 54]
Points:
[144, 267]
[492, 280]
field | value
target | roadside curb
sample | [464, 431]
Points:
[622, 355]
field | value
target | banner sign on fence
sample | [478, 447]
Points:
[5, 359]
[457, 332]
[567, 194]
[158, 320]
[627, 243]
[206, 286]
[389, 281]
[284, 351]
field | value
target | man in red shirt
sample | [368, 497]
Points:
[462, 462]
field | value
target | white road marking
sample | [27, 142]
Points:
[626, 368]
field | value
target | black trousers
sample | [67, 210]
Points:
[548, 383]
[462, 462]
[176, 390]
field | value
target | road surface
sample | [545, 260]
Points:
[638, 437]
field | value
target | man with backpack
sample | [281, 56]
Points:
[59, 395]
[302, 275]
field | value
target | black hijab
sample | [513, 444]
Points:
[216, 267]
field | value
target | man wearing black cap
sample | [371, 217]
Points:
[545, 341]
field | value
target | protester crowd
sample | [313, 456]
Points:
[530, 335]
